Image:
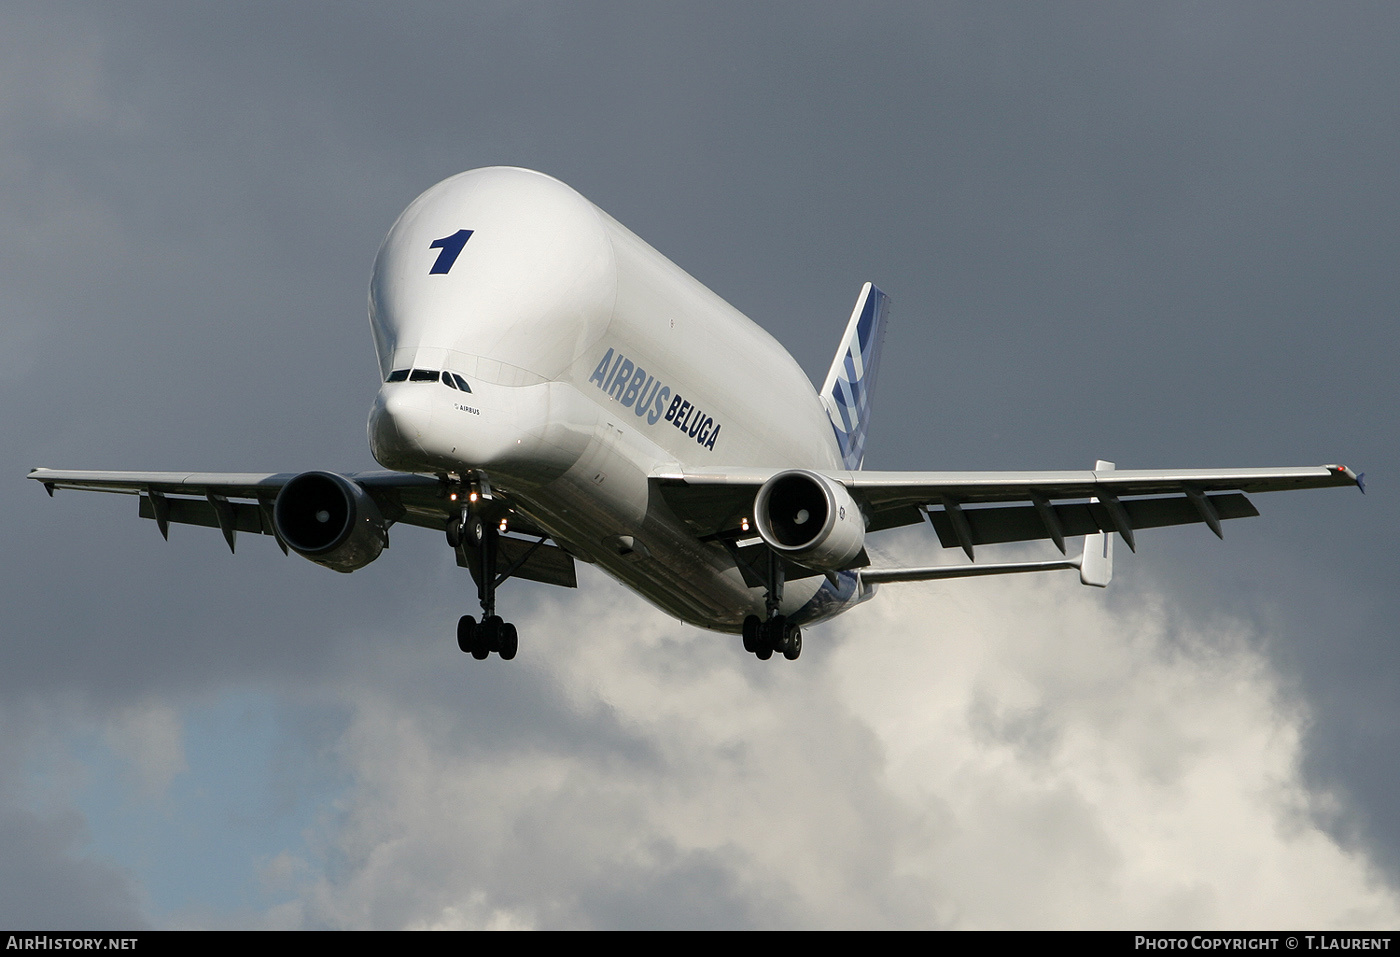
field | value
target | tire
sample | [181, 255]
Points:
[487, 635]
[466, 633]
[753, 628]
[493, 627]
[792, 644]
[473, 531]
[775, 631]
[510, 641]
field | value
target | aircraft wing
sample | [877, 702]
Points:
[199, 498]
[243, 502]
[977, 508]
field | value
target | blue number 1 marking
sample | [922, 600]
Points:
[451, 247]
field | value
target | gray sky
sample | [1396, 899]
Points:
[1162, 234]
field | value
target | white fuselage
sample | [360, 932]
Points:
[593, 363]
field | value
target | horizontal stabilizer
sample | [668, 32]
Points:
[877, 576]
[1096, 565]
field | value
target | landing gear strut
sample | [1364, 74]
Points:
[472, 535]
[763, 637]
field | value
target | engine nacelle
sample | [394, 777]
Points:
[810, 519]
[331, 520]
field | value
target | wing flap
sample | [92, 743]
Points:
[995, 525]
[193, 511]
[970, 488]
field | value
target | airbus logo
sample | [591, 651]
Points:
[628, 383]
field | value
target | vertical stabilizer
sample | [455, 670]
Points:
[851, 381]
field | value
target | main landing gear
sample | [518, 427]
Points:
[478, 540]
[479, 639]
[763, 637]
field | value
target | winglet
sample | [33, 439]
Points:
[1356, 478]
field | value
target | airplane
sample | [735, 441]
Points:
[554, 390]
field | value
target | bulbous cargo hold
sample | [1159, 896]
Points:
[517, 282]
[585, 358]
[810, 519]
[502, 275]
[330, 520]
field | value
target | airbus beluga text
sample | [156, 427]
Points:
[555, 390]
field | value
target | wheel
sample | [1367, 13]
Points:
[487, 634]
[473, 531]
[792, 643]
[510, 641]
[466, 531]
[466, 631]
[764, 652]
[753, 628]
[774, 631]
[493, 627]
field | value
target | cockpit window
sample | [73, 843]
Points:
[450, 379]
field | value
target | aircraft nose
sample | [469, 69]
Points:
[398, 423]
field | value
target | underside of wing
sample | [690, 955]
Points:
[967, 509]
[236, 502]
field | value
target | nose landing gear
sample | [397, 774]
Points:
[477, 540]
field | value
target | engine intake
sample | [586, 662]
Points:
[810, 519]
[330, 520]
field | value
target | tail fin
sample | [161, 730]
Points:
[851, 381]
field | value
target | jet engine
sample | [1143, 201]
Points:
[810, 519]
[330, 520]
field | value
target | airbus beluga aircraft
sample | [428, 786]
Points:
[555, 390]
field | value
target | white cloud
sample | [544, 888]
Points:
[150, 739]
[1101, 766]
[1016, 753]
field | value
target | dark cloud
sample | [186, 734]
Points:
[49, 883]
